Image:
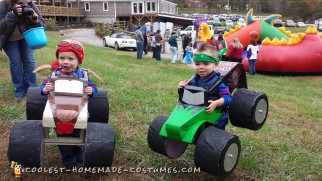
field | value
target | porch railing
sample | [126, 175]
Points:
[60, 11]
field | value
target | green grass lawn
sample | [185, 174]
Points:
[288, 147]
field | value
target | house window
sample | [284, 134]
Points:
[162, 8]
[70, 5]
[137, 7]
[87, 6]
[105, 6]
[166, 8]
[150, 7]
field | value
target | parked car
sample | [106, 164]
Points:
[234, 17]
[301, 24]
[241, 22]
[228, 17]
[229, 23]
[120, 40]
[239, 16]
[216, 22]
[278, 23]
[289, 23]
[191, 29]
[319, 25]
[185, 15]
[221, 29]
[222, 17]
[215, 16]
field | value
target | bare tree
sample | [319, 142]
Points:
[209, 4]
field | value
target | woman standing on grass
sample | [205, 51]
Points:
[252, 59]
[21, 57]
[159, 42]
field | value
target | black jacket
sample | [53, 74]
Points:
[8, 20]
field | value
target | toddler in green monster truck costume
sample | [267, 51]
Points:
[205, 62]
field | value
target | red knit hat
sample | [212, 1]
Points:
[71, 46]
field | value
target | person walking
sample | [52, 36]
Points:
[139, 43]
[252, 59]
[159, 41]
[173, 47]
[185, 41]
[21, 57]
[145, 38]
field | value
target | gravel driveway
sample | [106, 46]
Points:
[87, 35]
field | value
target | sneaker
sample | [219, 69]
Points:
[70, 166]
[18, 99]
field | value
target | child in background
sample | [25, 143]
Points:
[252, 59]
[70, 55]
[205, 60]
[189, 51]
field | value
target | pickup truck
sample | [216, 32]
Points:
[191, 29]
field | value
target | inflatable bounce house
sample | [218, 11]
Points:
[280, 51]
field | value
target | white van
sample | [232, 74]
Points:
[191, 29]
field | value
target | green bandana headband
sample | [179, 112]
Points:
[200, 57]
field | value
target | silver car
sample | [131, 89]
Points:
[229, 23]
[241, 22]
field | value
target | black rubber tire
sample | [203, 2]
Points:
[163, 146]
[98, 107]
[217, 152]
[248, 109]
[104, 43]
[26, 143]
[99, 145]
[35, 104]
[116, 46]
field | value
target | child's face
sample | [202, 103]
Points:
[68, 61]
[204, 69]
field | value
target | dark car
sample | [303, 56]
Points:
[278, 23]
[289, 23]
[221, 29]
[234, 17]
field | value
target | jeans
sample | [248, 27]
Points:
[139, 50]
[70, 155]
[158, 52]
[22, 63]
[174, 54]
[251, 63]
[144, 48]
[222, 121]
[154, 52]
[184, 51]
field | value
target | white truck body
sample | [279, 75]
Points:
[191, 29]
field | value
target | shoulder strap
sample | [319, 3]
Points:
[84, 72]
